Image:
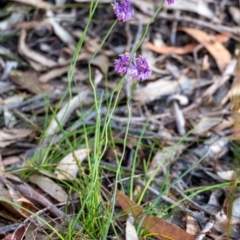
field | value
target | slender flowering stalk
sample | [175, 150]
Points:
[123, 10]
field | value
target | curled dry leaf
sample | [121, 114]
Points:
[29, 80]
[205, 124]
[32, 24]
[9, 136]
[57, 72]
[189, 48]
[221, 55]
[25, 51]
[67, 168]
[160, 88]
[155, 90]
[102, 62]
[50, 187]
[12, 200]
[62, 33]
[172, 49]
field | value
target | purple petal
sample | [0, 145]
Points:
[123, 10]
[121, 65]
[170, 2]
[140, 70]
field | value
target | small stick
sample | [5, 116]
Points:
[32, 217]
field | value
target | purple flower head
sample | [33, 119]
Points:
[140, 70]
[121, 65]
[170, 2]
[123, 10]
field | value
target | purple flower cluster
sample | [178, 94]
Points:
[123, 10]
[170, 2]
[138, 68]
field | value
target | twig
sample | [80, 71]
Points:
[129, 37]
[28, 192]
[174, 27]
[148, 134]
[206, 229]
[8, 228]
[26, 119]
[192, 202]
[216, 27]
[195, 52]
[113, 165]
[32, 217]
[167, 199]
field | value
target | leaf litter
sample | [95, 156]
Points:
[192, 50]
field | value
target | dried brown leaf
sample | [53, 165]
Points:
[164, 229]
[221, 55]
[9, 136]
[13, 201]
[50, 187]
[171, 49]
[32, 24]
[68, 167]
[61, 32]
[206, 123]
[189, 48]
[25, 51]
[160, 88]
[102, 62]
[29, 80]
[57, 72]
[155, 90]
